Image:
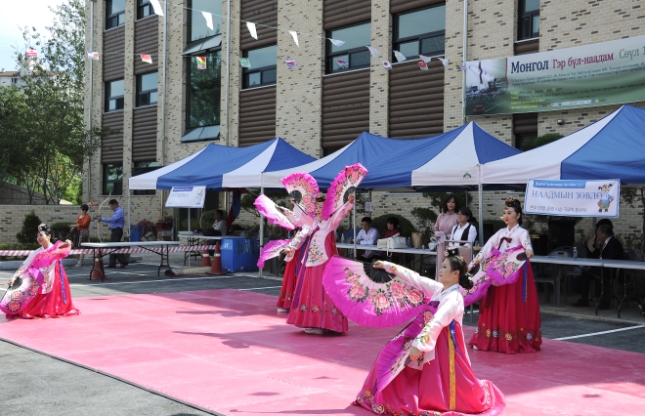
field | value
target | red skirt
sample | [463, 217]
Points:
[289, 282]
[52, 304]
[507, 323]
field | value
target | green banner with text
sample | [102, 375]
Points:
[585, 76]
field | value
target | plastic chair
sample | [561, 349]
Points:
[553, 278]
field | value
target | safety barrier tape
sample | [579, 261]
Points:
[11, 253]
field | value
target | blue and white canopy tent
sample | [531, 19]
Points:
[220, 167]
[448, 160]
[611, 148]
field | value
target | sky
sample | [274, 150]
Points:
[15, 14]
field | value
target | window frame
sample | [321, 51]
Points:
[142, 7]
[195, 133]
[396, 42]
[190, 25]
[118, 98]
[246, 72]
[330, 57]
[109, 17]
[117, 183]
[140, 170]
[146, 93]
[525, 19]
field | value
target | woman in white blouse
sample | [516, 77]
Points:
[464, 230]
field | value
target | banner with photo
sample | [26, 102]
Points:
[573, 198]
[584, 76]
[186, 197]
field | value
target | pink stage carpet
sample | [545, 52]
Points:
[229, 351]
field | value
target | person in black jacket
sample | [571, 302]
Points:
[606, 247]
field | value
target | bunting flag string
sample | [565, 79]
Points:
[209, 19]
[444, 62]
[294, 35]
[93, 55]
[337, 42]
[201, 62]
[387, 65]
[244, 62]
[157, 7]
[290, 63]
[424, 58]
[252, 30]
[399, 56]
[373, 51]
[146, 58]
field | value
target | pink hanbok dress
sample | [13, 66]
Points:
[441, 381]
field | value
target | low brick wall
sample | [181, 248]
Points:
[12, 217]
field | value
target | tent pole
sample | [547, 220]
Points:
[189, 234]
[481, 215]
[261, 234]
[354, 209]
[129, 208]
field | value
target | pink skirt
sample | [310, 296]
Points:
[52, 304]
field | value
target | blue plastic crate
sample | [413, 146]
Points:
[239, 254]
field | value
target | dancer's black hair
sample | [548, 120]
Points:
[458, 263]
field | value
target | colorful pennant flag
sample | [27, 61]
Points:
[201, 62]
[244, 62]
[444, 62]
[146, 58]
[424, 58]
[252, 30]
[387, 65]
[31, 53]
[93, 55]
[156, 7]
[342, 63]
[423, 66]
[294, 34]
[337, 42]
[399, 56]
[459, 65]
[373, 51]
[209, 19]
[290, 63]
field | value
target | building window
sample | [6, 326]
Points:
[140, 168]
[147, 89]
[115, 12]
[198, 27]
[263, 67]
[14, 81]
[144, 9]
[203, 98]
[528, 26]
[114, 92]
[112, 179]
[351, 55]
[421, 32]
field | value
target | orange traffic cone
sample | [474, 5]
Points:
[206, 259]
[98, 271]
[216, 267]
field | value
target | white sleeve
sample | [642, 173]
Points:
[427, 285]
[472, 234]
[525, 240]
[485, 251]
[451, 307]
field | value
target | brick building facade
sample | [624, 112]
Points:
[316, 106]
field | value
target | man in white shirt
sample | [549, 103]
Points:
[220, 223]
[367, 235]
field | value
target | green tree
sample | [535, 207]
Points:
[12, 108]
[58, 144]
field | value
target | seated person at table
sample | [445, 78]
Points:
[220, 223]
[464, 230]
[367, 235]
[392, 227]
[605, 246]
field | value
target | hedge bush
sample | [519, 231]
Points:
[29, 228]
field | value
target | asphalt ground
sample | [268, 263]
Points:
[36, 384]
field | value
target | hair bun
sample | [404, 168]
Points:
[43, 227]
[452, 251]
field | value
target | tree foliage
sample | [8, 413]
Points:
[47, 120]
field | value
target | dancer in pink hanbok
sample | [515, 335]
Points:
[317, 218]
[39, 288]
[425, 369]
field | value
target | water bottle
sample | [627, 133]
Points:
[575, 253]
[408, 242]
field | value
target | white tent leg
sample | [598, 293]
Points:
[261, 234]
[189, 254]
[481, 215]
[129, 208]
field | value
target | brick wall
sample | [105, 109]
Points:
[14, 215]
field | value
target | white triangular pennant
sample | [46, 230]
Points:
[424, 58]
[373, 51]
[294, 34]
[209, 19]
[337, 42]
[443, 61]
[157, 7]
[252, 30]
[399, 56]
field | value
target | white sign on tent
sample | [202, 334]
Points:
[186, 197]
[573, 198]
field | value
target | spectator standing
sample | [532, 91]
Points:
[115, 223]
